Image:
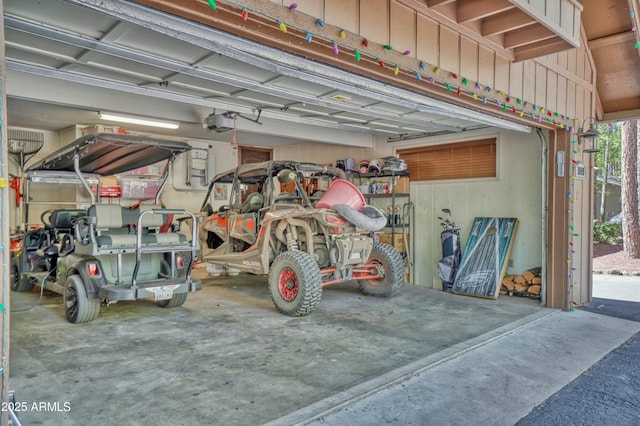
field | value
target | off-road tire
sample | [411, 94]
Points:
[176, 300]
[18, 282]
[295, 283]
[392, 267]
[78, 307]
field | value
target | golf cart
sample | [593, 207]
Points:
[304, 226]
[106, 253]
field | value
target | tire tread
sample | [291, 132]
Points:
[88, 308]
[308, 275]
[176, 300]
[394, 272]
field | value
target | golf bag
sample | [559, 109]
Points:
[451, 253]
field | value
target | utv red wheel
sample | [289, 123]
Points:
[295, 283]
[288, 284]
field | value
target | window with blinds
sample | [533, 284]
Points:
[462, 160]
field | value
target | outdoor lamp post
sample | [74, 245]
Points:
[589, 138]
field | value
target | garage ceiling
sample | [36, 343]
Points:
[68, 60]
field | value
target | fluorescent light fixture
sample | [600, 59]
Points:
[137, 120]
[340, 98]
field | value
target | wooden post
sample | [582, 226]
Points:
[557, 295]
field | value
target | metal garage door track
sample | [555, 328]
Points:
[228, 357]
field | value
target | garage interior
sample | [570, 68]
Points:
[67, 62]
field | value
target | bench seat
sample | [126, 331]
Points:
[116, 227]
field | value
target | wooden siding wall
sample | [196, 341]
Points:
[562, 82]
[563, 15]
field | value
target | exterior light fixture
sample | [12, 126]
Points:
[137, 120]
[589, 137]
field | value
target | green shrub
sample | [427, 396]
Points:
[609, 233]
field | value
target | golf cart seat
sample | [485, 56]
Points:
[62, 220]
[110, 230]
[37, 244]
[116, 227]
[153, 222]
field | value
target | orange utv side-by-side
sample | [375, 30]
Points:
[301, 224]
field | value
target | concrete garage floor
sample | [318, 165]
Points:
[228, 357]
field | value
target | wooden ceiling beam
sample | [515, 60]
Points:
[621, 38]
[543, 48]
[472, 10]
[503, 22]
[528, 35]
[436, 3]
[631, 114]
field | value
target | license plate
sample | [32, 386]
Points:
[163, 293]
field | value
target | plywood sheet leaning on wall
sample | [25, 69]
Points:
[484, 259]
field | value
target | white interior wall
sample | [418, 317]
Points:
[322, 153]
[515, 192]
[225, 158]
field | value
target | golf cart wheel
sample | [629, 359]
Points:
[78, 307]
[295, 283]
[391, 267]
[176, 300]
[186, 259]
[18, 282]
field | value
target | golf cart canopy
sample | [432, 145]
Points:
[109, 154]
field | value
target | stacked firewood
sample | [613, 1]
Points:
[527, 284]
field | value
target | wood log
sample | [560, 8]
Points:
[508, 283]
[535, 289]
[519, 279]
[520, 287]
[536, 280]
[528, 275]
